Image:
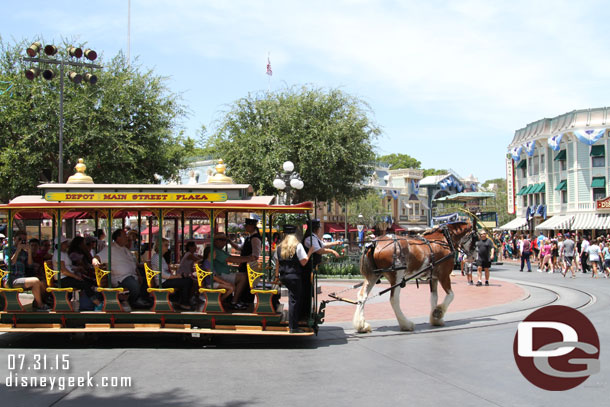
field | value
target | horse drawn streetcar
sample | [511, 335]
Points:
[212, 203]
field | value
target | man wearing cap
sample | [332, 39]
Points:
[251, 247]
[312, 239]
[485, 252]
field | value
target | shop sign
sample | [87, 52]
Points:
[510, 185]
[603, 204]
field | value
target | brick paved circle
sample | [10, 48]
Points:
[415, 302]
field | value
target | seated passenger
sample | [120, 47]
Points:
[19, 259]
[36, 268]
[91, 244]
[219, 283]
[187, 264]
[181, 285]
[70, 277]
[123, 271]
[82, 261]
[221, 269]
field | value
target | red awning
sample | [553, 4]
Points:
[334, 227]
[199, 229]
[330, 227]
[396, 228]
[155, 229]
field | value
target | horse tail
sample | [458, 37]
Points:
[366, 260]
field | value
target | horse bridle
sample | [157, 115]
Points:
[473, 237]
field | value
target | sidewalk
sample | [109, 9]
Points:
[415, 302]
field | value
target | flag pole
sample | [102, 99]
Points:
[269, 71]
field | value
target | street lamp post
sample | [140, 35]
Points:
[48, 74]
[288, 180]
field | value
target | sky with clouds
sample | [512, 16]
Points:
[449, 82]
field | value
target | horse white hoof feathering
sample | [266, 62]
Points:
[436, 317]
[407, 326]
[361, 326]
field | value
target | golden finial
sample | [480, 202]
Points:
[80, 177]
[220, 177]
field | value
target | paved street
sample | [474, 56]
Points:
[468, 363]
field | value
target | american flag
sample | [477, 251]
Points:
[269, 71]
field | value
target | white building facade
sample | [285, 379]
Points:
[560, 169]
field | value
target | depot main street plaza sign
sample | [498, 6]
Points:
[135, 197]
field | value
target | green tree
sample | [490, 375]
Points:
[433, 171]
[499, 187]
[399, 161]
[125, 127]
[327, 134]
[370, 206]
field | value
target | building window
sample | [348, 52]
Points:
[329, 207]
[403, 211]
[537, 199]
[598, 161]
[564, 197]
[542, 161]
[599, 193]
[563, 165]
[598, 156]
[524, 200]
[536, 166]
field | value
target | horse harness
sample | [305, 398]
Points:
[397, 253]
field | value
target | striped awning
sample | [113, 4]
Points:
[517, 223]
[591, 220]
[557, 222]
[522, 190]
[562, 186]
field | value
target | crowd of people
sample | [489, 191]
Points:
[565, 253]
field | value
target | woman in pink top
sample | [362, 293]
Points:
[545, 253]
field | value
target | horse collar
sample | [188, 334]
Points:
[447, 235]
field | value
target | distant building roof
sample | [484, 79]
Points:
[466, 196]
[432, 179]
